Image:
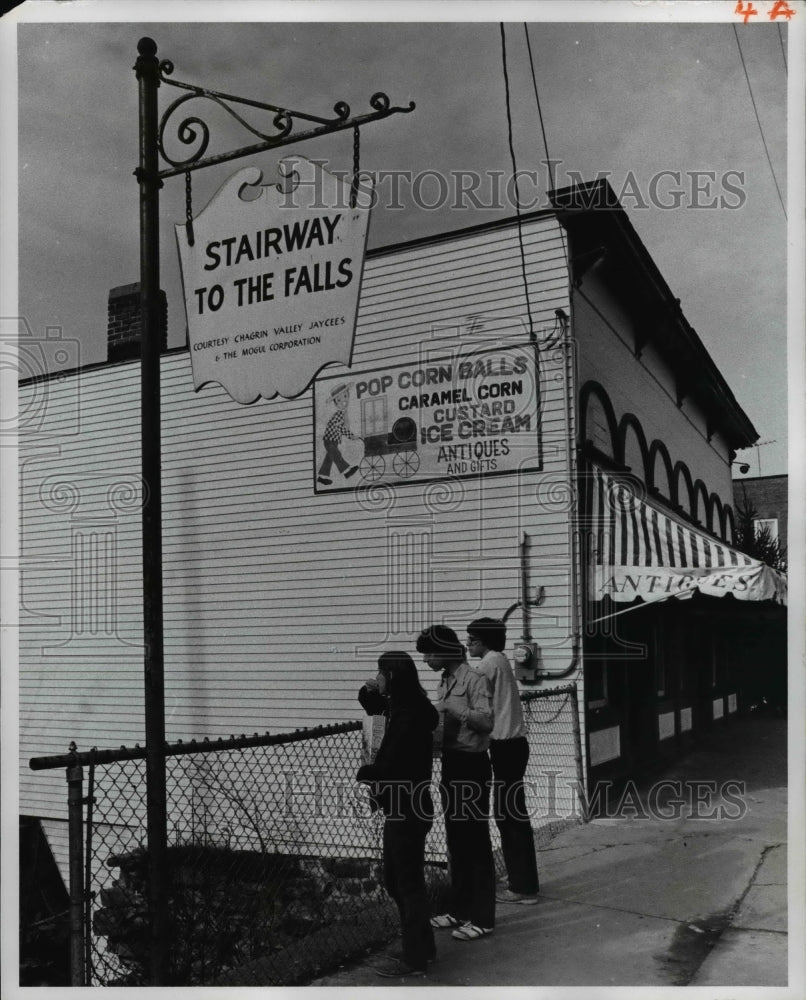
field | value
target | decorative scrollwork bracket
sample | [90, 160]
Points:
[286, 126]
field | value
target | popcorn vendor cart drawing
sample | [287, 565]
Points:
[398, 446]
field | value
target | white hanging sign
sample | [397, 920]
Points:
[271, 284]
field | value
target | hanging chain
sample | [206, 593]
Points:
[356, 165]
[189, 209]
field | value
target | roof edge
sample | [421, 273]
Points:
[596, 206]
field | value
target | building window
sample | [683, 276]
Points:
[720, 657]
[596, 684]
[713, 652]
[771, 525]
[660, 670]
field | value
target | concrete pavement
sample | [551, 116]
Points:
[639, 900]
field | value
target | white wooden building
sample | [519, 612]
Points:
[278, 598]
[278, 594]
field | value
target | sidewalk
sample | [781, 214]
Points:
[636, 901]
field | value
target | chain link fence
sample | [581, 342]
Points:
[274, 857]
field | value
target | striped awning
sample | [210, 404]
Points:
[639, 550]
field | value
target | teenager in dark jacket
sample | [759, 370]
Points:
[399, 780]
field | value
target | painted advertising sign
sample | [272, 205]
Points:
[271, 284]
[475, 413]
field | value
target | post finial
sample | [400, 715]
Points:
[147, 46]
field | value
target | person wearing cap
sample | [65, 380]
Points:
[509, 754]
[464, 700]
[336, 429]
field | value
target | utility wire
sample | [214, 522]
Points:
[549, 166]
[537, 100]
[783, 47]
[758, 120]
[532, 337]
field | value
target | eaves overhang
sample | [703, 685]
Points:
[601, 233]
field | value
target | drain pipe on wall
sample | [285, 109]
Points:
[569, 391]
[526, 653]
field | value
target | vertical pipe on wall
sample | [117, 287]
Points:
[147, 71]
[523, 550]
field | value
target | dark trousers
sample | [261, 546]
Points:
[465, 794]
[332, 454]
[404, 878]
[509, 759]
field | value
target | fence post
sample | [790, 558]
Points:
[583, 796]
[75, 802]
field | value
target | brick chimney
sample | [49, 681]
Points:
[123, 330]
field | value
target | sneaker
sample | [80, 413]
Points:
[529, 900]
[395, 968]
[508, 896]
[471, 932]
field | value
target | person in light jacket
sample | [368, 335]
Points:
[464, 700]
[400, 780]
[509, 755]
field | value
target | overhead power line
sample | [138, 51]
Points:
[515, 176]
[783, 47]
[539, 111]
[758, 120]
[549, 163]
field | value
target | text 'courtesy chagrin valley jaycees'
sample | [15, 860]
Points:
[271, 288]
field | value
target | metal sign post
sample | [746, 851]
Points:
[150, 73]
[147, 70]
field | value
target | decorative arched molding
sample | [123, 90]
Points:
[629, 422]
[684, 489]
[729, 525]
[716, 523]
[591, 395]
[667, 490]
[702, 506]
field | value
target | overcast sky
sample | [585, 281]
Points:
[629, 99]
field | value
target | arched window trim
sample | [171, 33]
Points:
[655, 449]
[717, 522]
[703, 504]
[629, 420]
[595, 389]
[729, 525]
[687, 502]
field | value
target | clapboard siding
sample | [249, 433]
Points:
[277, 601]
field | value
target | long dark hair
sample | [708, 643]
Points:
[403, 681]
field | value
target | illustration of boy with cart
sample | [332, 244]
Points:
[336, 429]
[400, 443]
